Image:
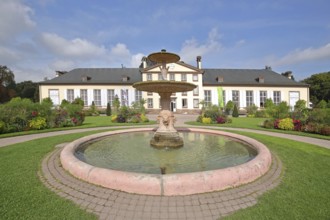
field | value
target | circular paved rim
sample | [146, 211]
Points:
[115, 205]
[169, 184]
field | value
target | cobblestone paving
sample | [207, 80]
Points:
[115, 205]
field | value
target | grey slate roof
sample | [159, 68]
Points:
[231, 77]
[247, 77]
[98, 76]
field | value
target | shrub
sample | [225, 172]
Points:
[38, 123]
[199, 118]
[2, 127]
[144, 118]
[121, 119]
[325, 130]
[322, 104]
[135, 119]
[221, 119]
[212, 112]
[206, 120]
[282, 110]
[286, 124]
[113, 118]
[251, 110]
[261, 114]
[268, 124]
[297, 125]
[108, 111]
[235, 111]
[78, 101]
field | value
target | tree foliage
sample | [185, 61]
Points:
[28, 89]
[7, 84]
[319, 87]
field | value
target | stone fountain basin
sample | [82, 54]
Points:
[163, 86]
[169, 184]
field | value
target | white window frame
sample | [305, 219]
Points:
[150, 102]
[263, 98]
[277, 97]
[70, 95]
[249, 98]
[110, 96]
[97, 97]
[84, 96]
[208, 97]
[236, 97]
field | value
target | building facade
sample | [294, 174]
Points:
[244, 87]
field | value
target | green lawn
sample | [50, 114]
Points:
[303, 194]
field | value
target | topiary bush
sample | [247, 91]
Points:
[108, 111]
[235, 111]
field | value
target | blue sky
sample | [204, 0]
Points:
[40, 36]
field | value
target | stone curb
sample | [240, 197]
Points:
[112, 204]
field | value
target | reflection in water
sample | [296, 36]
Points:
[132, 152]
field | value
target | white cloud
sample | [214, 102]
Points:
[8, 56]
[136, 60]
[240, 43]
[62, 65]
[76, 48]
[15, 18]
[300, 56]
[120, 50]
[192, 48]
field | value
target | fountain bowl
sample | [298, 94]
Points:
[169, 184]
[163, 86]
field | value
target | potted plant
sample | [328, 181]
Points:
[229, 107]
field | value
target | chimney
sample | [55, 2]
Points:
[268, 67]
[60, 73]
[199, 62]
[288, 74]
[144, 62]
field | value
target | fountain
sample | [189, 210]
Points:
[166, 135]
[253, 161]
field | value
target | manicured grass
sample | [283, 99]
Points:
[303, 194]
[23, 196]
[256, 124]
[305, 189]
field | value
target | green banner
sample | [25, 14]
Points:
[220, 97]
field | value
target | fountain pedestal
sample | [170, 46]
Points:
[166, 135]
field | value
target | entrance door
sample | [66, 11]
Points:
[294, 97]
[173, 105]
[54, 96]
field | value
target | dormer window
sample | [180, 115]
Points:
[219, 79]
[85, 78]
[261, 79]
[125, 78]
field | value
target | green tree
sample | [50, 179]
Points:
[108, 111]
[322, 104]
[319, 86]
[28, 89]
[235, 111]
[6, 83]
